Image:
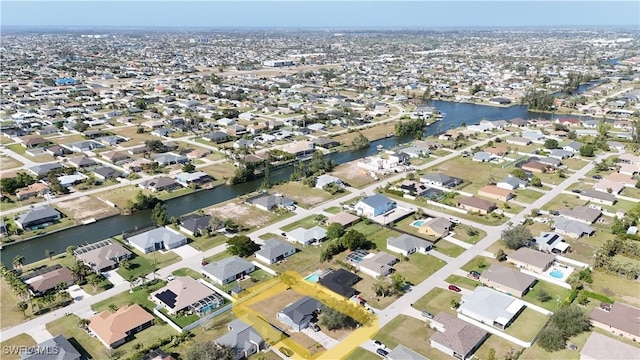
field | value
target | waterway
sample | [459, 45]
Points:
[456, 114]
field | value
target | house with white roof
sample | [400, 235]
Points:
[163, 238]
[490, 307]
[307, 236]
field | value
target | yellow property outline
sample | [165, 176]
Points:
[293, 280]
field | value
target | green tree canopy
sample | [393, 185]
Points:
[209, 350]
[551, 144]
[334, 231]
[159, 214]
[354, 240]
[519, 173]
[587, 150]
[516, 237]
[333, 319]
[359, 142]
[241, 245]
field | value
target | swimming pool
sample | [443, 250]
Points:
[417, 223]
[556, 274]
[313, 277]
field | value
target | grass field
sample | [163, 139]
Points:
[305, 223]
[411, 333]
[360, 354]
[219, 171]
[140, 295]
[475, 175]
[537, 353]
[461, 232]
[204, 243]
[462, 281]
[438, 300]
[527, 195]
[419, 267]
[333, 210]
[143, 264]
[449, 249]
[555, 291]
[13, 343]
[563, 201]
[574, 164]
[9, 313]
[527, 325]
[502, 347]
[479, 264]
[615, 287]
[305, 196]
[187, 272]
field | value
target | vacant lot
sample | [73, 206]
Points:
[86, 207]
[468, 233]
[449, 249]
[9, 313]
[7, 162]
[563, 201]
[479, 264]
[527, 325]
[502, 347]
[16, 341]
[242, 213]
[353, 175]
[411, 333]
[475, 175]
[303, 195]
[372, 133]
[130, 132]
[463, 282]
[527, 196]
[222, 171]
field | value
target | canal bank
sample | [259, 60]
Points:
[457, 113]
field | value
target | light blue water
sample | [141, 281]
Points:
[312, 278]
[417, 223]
[557, 274]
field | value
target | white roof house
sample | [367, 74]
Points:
[491, 307]
[156, 239]
[307, 236]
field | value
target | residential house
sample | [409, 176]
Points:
[325, 143]
[551, 161]
[56, 348]
[455, 337]
[573, 147]
[531, 260]
[274, 250]
[598, 196]
[326, 179]
[115, 157]
[41, 170]
[583, 214]
[474, 204]
[102, 256]
[33, 142]
[483, 156]
[440, 180]
[169, 159]
[512, 183]
[298, 315]
[406, 244]
[228, 270]
[375, 205]
[628, 169]
[437, 227]
[195, 225]
[629, 158]
[243, 339]
[515, 140]
[340, 282]
[196, 177]
[198, 153]
[627, 180]
[536, 167]
[507, 280]
[217, 137]
[343, 218]
[83, 163]
[113, 329]
[186, 293]
[600, 347]
[496, 193]
[379, 264]
[37, 189]
[533, 136]
[498, 151]
[413, 188]
[49, 279]
[38, 217]
[299, 148]
[268, 202]
[560, 154]
[618, 319]
[572, 228]
[157, 239]
[161, 183]
[568, 121]
[490, 307]
[105, 173]
[307, 236]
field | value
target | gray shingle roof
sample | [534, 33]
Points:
[41, 212]
[59, 348]
[147, 239]
[408, 242]
[273, 248]
[301, 309]
[228, 267]
[508, 277]
[240, 337]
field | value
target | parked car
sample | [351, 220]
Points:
[315, 327]
[572, 347]
[382, 352]
[597, 177]
[427, 314]
[474, 274]
[286, 351]
[284, 234]
[171, 278]
[454, 288]
[454, 220]
[576, 191]
[379, 345]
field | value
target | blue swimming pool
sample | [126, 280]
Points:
[312, 277]
[556, 274]
[417, 223]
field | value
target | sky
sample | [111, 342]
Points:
[319, 14]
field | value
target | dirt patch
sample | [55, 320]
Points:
[269, 307]
[353, 175]
[86, 207]
[240, 213]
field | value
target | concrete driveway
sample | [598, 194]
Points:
[326, 341]
[114, 278]
[40, 333]
[77, 294]
[186, 251]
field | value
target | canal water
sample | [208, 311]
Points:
[456, 114]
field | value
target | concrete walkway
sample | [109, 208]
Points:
[450, 238]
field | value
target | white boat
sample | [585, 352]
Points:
[379, 147]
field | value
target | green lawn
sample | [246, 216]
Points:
[360, 354]
[68, 326]
[449, 249]
[616, 287]
[305, 196]
[527, 325]
[140, 295]
[563, 201]
[375, 233]
[461, 232]
[16, 341]
[479, 264]
[333, 210]
[501, 346]
[255, 278]
[409, 332]
[438, 300]
[419, 267]
[306, 223]
[203, 243]
[475, 175]
[554, 291]
[462, 281]
[181, 321]
[187, 272]
[537, 353]
[574, 164]
[143, 264]
[307, 258]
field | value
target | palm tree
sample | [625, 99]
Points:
[18, 261]
[94, 281]
[125, 264]
[79, 270]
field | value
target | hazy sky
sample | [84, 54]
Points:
[319, 13]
